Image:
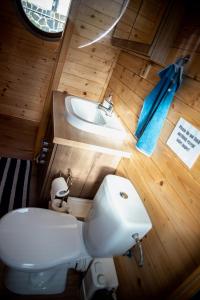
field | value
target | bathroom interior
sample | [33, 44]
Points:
[108, 51]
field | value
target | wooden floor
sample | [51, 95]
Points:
[17, 137]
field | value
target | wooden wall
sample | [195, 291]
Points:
[88, 170]
[28, 63]
[141, 20]
[25, 70]
[87, 71]
[169, 190]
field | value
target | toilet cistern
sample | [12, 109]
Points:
[117, 214]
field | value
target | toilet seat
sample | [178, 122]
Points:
[37, 239]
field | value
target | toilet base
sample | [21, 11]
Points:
[48, 281]
[51, 281]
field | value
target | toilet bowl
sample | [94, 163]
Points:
[39, 245]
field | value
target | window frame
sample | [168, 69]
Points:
[50, 36]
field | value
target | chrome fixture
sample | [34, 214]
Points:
[138, 247]
[107, 106]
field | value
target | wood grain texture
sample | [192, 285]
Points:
[167, 31]
[187, 42]
[25, 70]
[26, 65]
[188, 288]
[155, 25]
[88, 170]
[87, 71]
[169, 190]
[57, 71]
[17, 137]
[141, 21]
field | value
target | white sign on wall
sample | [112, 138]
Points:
[185, 142]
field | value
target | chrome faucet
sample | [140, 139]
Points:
[107, 106]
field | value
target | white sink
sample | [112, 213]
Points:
[85, 115]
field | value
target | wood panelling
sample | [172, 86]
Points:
[88, 170]
[25, 70]
[87, 70]
[187, 42]
[188, 288]
[149, 28]
[57, 71]
[17, 137]
[169, 190]
[26, 66]
[140, 21]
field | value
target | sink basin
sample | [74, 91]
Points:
[85, 115]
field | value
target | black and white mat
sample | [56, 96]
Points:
[15, 177]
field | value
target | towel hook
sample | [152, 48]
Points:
[182, 60]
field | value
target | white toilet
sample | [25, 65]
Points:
[39, 245]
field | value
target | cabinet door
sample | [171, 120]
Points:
[88, 168]
[141, 21]
[147, 25]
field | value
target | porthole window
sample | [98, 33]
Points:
[45, 17]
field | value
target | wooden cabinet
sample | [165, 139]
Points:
[88, 169]
[89, 157]
[149, 27]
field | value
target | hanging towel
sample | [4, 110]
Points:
[156, 106]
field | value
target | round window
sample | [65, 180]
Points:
[46, 17]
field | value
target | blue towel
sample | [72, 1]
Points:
[156, 106]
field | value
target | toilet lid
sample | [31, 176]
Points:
[36, 238]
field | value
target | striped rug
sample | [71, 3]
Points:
[14, 183]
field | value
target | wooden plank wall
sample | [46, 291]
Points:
[141, 21]
[88, 170]
[57, 72]
[87, 71]
[25, 70]
[169, 190]
[17, 137]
